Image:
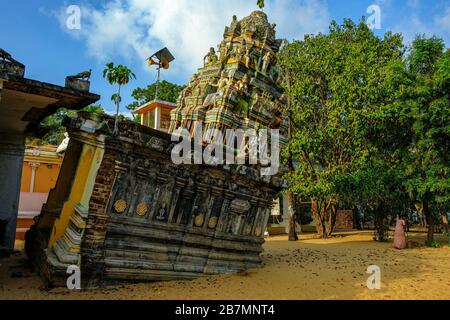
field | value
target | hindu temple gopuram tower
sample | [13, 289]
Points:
[238, 87]
[123, 210]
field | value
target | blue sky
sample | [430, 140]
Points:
[128, 31]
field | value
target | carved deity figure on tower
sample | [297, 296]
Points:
[186, 92]
[238, 91]
[222, 83]
[266, 62]
[242, 50]
[223, 50]
[242, 84]
[211, 57]
[235, 25]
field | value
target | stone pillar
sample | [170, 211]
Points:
[157, 118]
[34, 166]
[11, 160]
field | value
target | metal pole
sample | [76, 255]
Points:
[157, 81]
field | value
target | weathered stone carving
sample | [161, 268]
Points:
[79, 81]
[211, 57]
[146, 218]
[228, 92]
[10, 66]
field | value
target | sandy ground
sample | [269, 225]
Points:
[309, 269]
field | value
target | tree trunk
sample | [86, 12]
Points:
[290, 195]
[380, 224]
[116, 122]
[324, 214]
[357, 219]
[291, 212]
[331, 212]
[444, 218]
[315, 210]
[430, 220]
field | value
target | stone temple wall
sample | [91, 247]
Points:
[163, 221]
[148, 219]
[122, 210]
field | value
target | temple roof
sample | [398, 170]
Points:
[24, 103]
[239, 85]
[154, 104]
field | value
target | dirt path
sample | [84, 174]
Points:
[308, 269]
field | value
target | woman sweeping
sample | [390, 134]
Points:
[400, 234]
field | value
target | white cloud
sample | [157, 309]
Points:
[134, 29]
[413, 25]
[296, 18]
[444, 21]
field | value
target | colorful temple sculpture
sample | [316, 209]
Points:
[238, 88]
[122, 210]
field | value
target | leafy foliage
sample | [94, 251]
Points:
[342, 92]
[432, 244]
[167, 91]
[56, 131]
[260, 4]
[426, 103]
[120, 75]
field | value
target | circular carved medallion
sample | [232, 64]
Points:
[120, 206]
[212, 222]
[142, 209]
[199, 220]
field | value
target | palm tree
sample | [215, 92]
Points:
[119, 75]
[260, 4]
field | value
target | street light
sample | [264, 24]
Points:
[162, 59]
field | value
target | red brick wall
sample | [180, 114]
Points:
[344, 220]
[92, 249]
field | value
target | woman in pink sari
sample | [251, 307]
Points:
[400, 234]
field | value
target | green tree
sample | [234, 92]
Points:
[376, 189]
[120, 75]
[341, 87]
[55, 134]
[98, 109]
[167, 92]
[260, 4]
[427, 104]
[376, 186]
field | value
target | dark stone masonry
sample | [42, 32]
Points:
[123, 211]
[148, 219]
